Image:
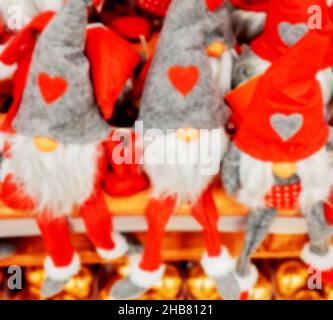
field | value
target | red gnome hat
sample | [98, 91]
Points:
[285, 119]
[287, 22]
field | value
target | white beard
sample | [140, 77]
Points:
[184, 177]
[58, 181]
[256, 178]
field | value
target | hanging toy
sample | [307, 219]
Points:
[279, 160]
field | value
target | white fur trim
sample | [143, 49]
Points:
[256, 178]
[121, 247]
[248, 282]
[316, 178]
[176, 167]
[62, 273]
[218, 266]
[142, 278]
[57, 181]
[323, 263]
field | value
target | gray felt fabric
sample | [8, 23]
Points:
[228, 287]
[183, 43]
[74, 117]
[230, 170]
[319, 231]
[258, 226]
[125, 289]
[51, 288]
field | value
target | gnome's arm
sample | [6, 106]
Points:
[230, 170]
[112, 61]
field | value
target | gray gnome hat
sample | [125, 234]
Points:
[58, 101]
[180, 91]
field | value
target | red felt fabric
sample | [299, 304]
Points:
[213, 5]
[184, 78]
[269, 44]
[56, 238]
[112, 61]
[288, 87]
[20, 50]
[51, 88]
[131, 27]
[156, 7]
[205, 212]
[124, 178]
[158, 213]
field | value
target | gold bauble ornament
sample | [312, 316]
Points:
[170, 285]
[307, 295]
[291, 276]
[328, 291]
[262, 290]
[200, 286]
[80, 286]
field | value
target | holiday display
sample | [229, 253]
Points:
[200, 129]
[181, 81]
[54, 153]
[276, 164]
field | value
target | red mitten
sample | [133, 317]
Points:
[156, 7]
[125, 177]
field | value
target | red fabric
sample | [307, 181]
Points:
[131, 27]
[184, 79]
[20, 50]
[205, 212]
[327, 277]
[112, 61]
[288, 87]
[156, 7]
[269, 44]
[253, 5]
[98, 221]
[283, 197]
[51, 88]
[213, 5]
[126, 177]
[14, 197]
[56, 238]
[158, 214]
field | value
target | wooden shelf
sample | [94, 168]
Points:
[176, 247]
[129, 217]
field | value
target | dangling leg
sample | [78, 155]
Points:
[98, 221]
[318, 253]
[62, 262]
[217, 261]
[146, 271]
[258, 226]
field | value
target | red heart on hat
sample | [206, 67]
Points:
[184, 79]
[212, 5]
[51, 88]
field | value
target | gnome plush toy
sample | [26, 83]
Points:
[279, 159]
[287, 22]
[54, 149]
[183, 115]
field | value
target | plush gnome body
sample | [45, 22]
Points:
[54, 155]
[286, 23]
[279, 159]
[181, 98]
